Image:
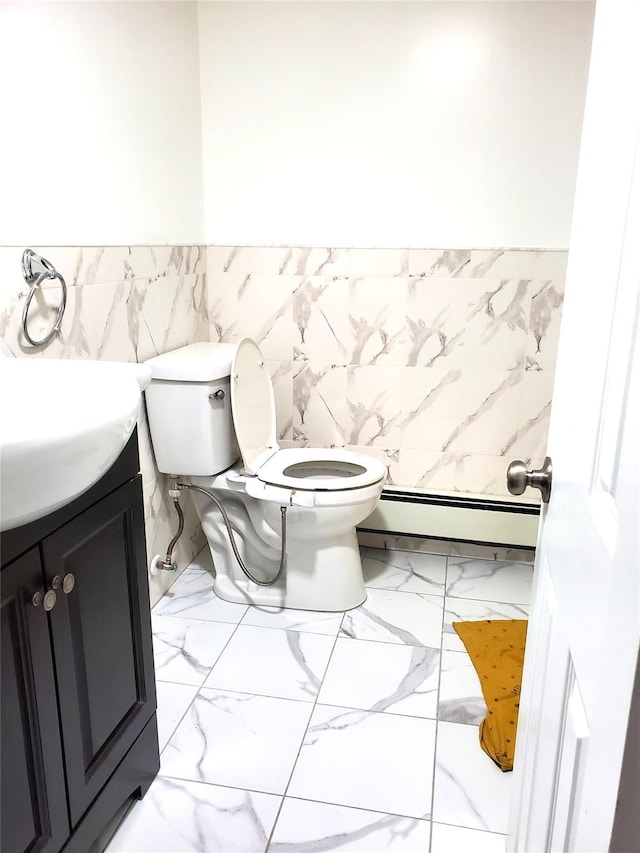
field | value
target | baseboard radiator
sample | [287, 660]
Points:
[476, 519]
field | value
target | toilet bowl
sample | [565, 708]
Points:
[229, 447]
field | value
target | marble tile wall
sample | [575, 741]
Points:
[439, 362]
[124, 304]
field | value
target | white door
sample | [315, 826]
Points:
[583, 640]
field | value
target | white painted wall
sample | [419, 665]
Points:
[101, 138]
[348, 123]
[392, 123]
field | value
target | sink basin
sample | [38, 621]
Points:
[63, 424]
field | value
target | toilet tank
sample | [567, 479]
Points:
[189, 410]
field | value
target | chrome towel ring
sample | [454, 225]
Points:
[35, 269]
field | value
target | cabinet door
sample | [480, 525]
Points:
[34, 806]
[101, 633]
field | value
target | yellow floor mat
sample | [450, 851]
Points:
[496, 649]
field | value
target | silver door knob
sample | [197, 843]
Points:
[518, 478]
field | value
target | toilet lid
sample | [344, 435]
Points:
[253, 406]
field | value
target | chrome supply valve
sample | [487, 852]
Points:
[174, 488]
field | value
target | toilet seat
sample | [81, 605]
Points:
[320, 470]
[303, 469]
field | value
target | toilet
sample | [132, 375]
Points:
[211, 413]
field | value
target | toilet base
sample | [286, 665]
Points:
[319, 575]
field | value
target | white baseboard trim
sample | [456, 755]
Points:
[482, 520]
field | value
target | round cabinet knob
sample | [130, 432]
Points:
[519, 477]
[49, 601]
[46, 599]
[66, 584]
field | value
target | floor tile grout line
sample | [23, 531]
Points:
[464, 651]
[184, 714]
[470, 828]
[373, 811]
[349, 639]
[316, 702]
[336, 638]
[446, 596]
[307, 800]
[198, 689]
[382, 642]
[202, 685]
[435, 737]
[446, 599]
[319, 704]
[217, 785]
[240, 623]
[200, 618]
[437, 593]
[293, 766]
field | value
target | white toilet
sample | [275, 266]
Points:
[209, 404]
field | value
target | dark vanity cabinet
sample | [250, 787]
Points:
[79, 735]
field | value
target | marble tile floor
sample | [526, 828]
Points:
[307, 732]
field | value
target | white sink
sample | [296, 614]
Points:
[63, 424]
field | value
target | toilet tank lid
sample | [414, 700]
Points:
[200, 362]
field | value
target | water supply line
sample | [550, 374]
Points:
[169, 563]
